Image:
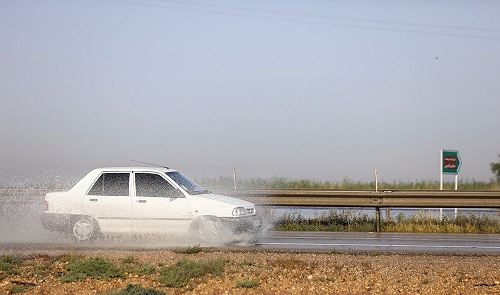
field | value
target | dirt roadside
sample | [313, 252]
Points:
[272, 272]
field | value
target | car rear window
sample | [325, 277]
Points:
[111, 184]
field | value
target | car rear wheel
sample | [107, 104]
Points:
[85, 229]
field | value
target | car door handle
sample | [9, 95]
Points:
[93, 200]
[142, 201]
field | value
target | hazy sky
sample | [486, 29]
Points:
[315, 89]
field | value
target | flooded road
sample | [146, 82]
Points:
[292, 241]
[21, 230]
[387, 242]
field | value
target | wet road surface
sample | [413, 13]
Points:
[381, 242]
[304, 241]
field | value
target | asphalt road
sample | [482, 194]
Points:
[20, 230]
[291, 241]
[340, 241]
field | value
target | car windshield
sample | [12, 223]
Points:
[187, 184]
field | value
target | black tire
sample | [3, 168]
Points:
[253, 238]
[209, 229]
[84, 229]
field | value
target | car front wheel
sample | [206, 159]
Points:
[85, 229]
[209, 230]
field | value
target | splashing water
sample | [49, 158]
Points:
[21, 210]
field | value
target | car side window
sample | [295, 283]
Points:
[111, 184]
[153, 185]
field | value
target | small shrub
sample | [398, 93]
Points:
[9, 265]
[8, 262]
[131, 265]
[189, 250]
[179, 274]
[247, 283]
[144, 269]
[18, 289]
[129, 259]
[427, 223]
[334, 220]
[137, 290]
[69, 257]
[79, 270]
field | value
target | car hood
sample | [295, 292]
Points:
[223, 200]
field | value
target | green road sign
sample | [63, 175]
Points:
[451, 162]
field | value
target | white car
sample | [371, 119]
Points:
[146, 201]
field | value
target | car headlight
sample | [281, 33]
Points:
[238, 211]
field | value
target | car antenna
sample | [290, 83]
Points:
[150, 164]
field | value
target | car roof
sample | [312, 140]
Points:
[134, 169]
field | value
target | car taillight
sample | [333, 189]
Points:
[45, 206]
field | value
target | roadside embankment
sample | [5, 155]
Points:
[222, 271]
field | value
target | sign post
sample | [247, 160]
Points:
[234, 176]
[450, 164]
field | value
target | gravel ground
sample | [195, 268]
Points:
[276, 272]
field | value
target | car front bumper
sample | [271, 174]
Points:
[245, 224]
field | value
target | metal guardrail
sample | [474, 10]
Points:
[392, 198]
[327, 198]
[386, 198]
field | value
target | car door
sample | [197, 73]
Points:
[158, 206]
[110, 203]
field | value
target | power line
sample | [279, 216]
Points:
[324, 16]
[197, 9]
